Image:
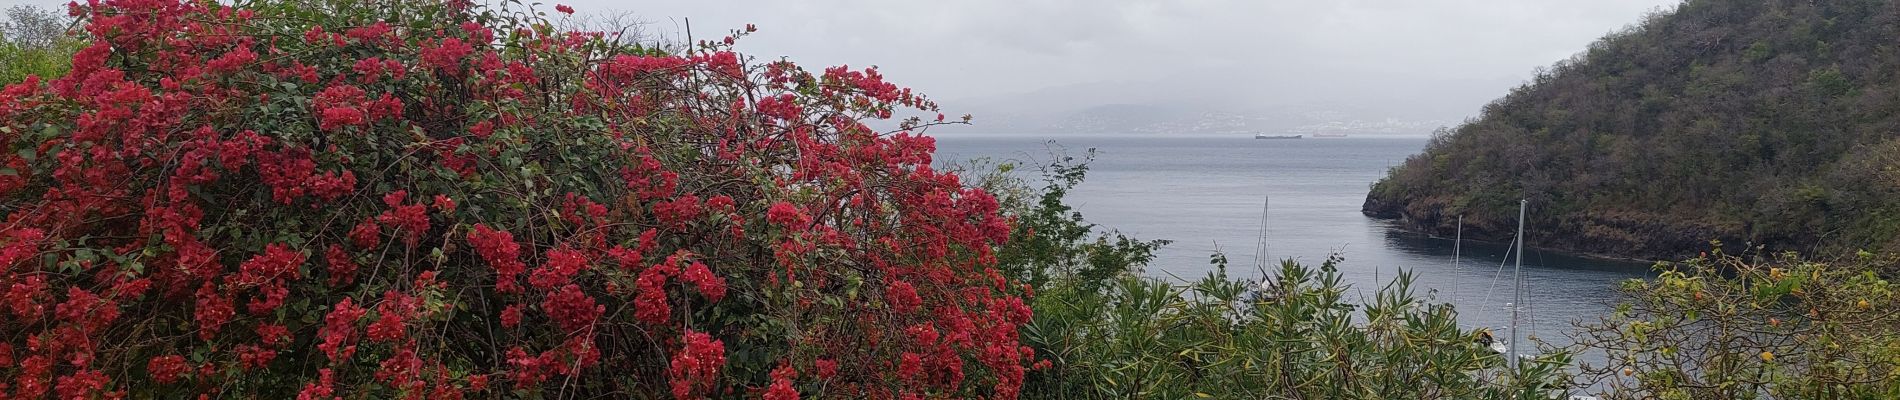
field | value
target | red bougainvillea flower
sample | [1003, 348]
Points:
[786, 214]
[340, 106]
[366, 235]
[339, 330]
[781, 388]
[572, 309]
[826, 368]
[410, 221]
[342, 270]
[909, 365]
[511, 316]
[712, 286]
[168, 369]
[446, 54]
[499, 250]
[903, 297]
[695, 367]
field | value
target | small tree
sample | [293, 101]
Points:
[33, 41]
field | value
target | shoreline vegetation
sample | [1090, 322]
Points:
[406, 199]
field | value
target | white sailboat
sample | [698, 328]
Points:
[1457, 264]
[1507, 347]
[1513, 359]
[1260, 256]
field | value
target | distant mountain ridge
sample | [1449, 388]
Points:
[1758, 123]
[1193, 103]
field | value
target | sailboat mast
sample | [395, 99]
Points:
[1260, 256]
[1517, 278]
[1457, 245]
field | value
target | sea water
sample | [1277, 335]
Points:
[1204, 192]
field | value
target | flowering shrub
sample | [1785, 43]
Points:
[381, 199]
[1754, 326]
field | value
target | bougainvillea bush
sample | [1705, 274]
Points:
[380, 199]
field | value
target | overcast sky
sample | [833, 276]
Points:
[1443, 57]
[1434, 58]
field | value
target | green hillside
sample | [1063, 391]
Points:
[1770, 123]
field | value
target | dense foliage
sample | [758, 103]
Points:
[1726, 327]
[382, 199]
[1299, 336]
[1754, 122]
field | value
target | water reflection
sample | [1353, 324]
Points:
[1421, 245]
